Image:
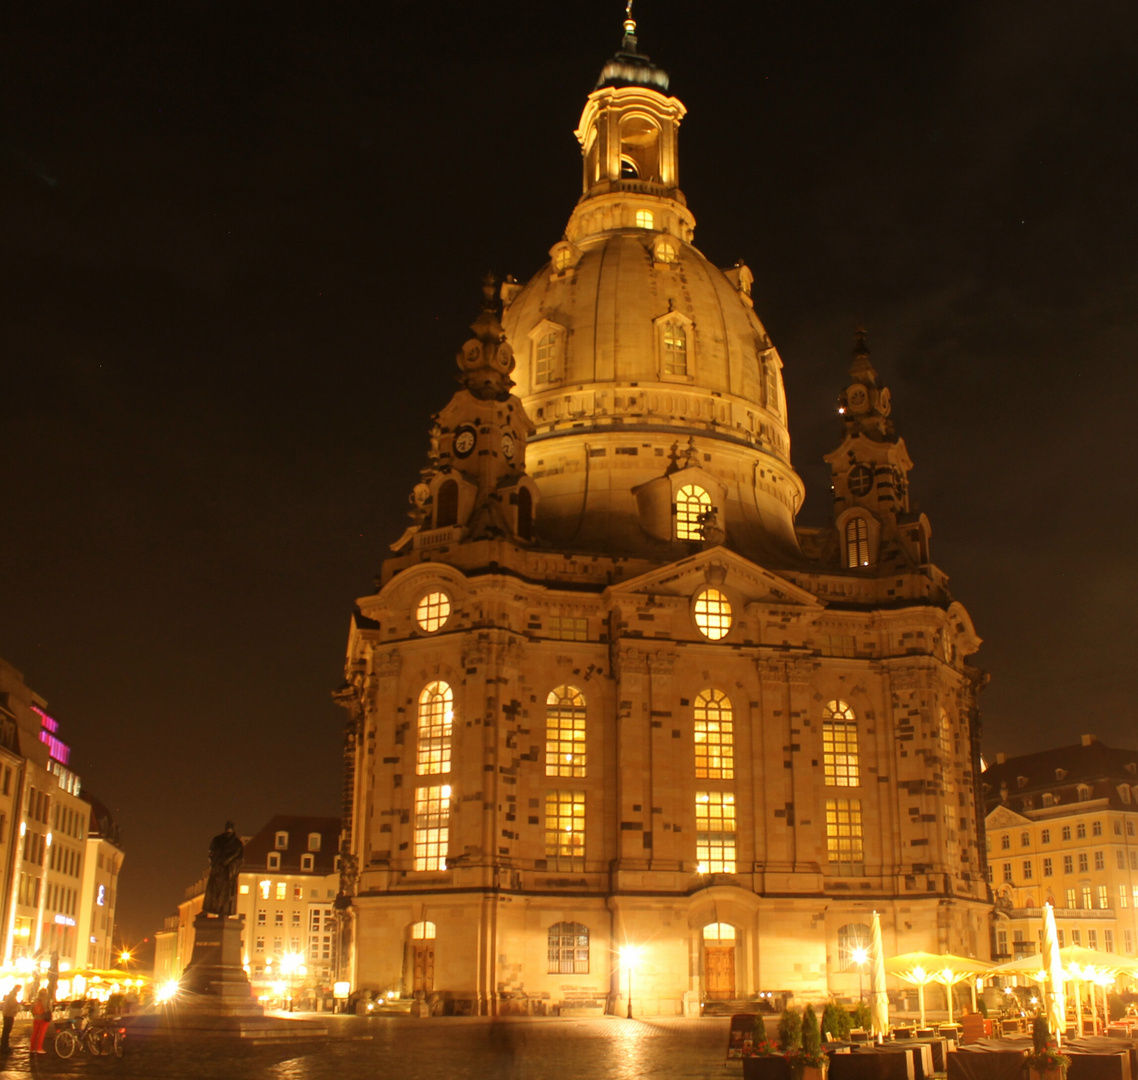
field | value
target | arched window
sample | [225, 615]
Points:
[525, 514]
[565, 732]
[675, 341]
[545, 358]
[436, 718]
[423, 931]
[718, 932]
[645, 219]
[446, 504]
[853, 946]
[714, 736]
[857, 543]
[839, 745]
[628, 170]
[692, 503]
[568, 949]
[562, 259]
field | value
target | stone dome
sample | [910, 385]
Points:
[643, 366]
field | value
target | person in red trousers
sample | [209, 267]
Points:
[41, 1017]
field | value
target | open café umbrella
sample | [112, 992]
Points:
[1056, 1002]
[1092, 966]
[922, 968]
[878, 999]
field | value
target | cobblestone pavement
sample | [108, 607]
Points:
[399, 1048]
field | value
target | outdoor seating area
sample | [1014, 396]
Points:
[1056, 1027]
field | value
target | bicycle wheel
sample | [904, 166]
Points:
[100, 1041]
[65, 1043]
[120, 1043]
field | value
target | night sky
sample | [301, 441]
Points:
[240, 245]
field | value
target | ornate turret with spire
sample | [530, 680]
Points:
[870, 476]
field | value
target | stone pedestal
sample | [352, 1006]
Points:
[214, 981]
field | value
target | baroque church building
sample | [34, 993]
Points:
[612, 715]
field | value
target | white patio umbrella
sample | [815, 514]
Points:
[1056, 1001]
[878, 999]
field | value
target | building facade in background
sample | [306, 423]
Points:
[1062, 827]
[612, 715]
[59, 848]
[286, 890]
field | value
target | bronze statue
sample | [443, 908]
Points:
[225, 854]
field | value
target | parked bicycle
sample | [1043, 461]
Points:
[98, 1039]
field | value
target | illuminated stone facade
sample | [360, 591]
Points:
[607, 694]
[1062, 829]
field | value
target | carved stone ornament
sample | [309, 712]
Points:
[906, 679]
[661, 663]
[349, 874]
[633, 662]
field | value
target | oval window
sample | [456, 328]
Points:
[713, 614]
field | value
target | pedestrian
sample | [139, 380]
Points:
[41, 1017]
[11, 1009]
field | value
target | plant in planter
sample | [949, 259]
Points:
[862, 1017]
[808, 1061]
[1045, 1059]
[836, 1022]
[769, 1061]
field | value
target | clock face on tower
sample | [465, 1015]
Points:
[857, 398]
[508, 446]
[464, 439]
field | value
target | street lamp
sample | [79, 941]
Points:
[860, 956]
[291, 965]
[629, 954]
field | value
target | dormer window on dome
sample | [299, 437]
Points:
[665, 250]
[675, 338]
[693, 505]
[547, 353]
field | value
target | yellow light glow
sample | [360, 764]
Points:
[49, 839]
[919, 974]
[124, 956]
[279, 989]
[167, 991]
[446, 791]
[629, 955]
[860, 955]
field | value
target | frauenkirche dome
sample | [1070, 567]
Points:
[643, 366]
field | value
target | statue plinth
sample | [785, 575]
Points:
[214, 981]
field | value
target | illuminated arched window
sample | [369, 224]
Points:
[423, 931]
[712, 614]
[714, 736]
[562, 259]
[565, 732]
[718, 932]
[857, 543]
[853, 946]
[692, 503]
[446, 504]
[839, 745]
[436, 719]
[645, 219]
[545, 358]
[568, 949]
[675, 343]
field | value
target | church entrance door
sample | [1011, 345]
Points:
[422, 967]
[719, 968]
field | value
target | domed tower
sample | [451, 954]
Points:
[654, 389]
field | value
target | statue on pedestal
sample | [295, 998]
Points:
[225, 855]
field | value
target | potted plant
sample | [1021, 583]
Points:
[1045, 1060]
[771, 1061]
[808, 1061]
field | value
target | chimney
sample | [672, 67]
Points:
[1089, 740]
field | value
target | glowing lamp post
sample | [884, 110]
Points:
[292, 964]
[860, 957]
[629, 954]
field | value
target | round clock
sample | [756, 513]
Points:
[464, 439]
[508, 445]
[857, 398]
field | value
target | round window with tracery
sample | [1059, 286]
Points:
[433, 611]
[713, 614]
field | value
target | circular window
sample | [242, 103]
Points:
[712, 614]
[433, 611]
[861, 480]
[665, 252]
